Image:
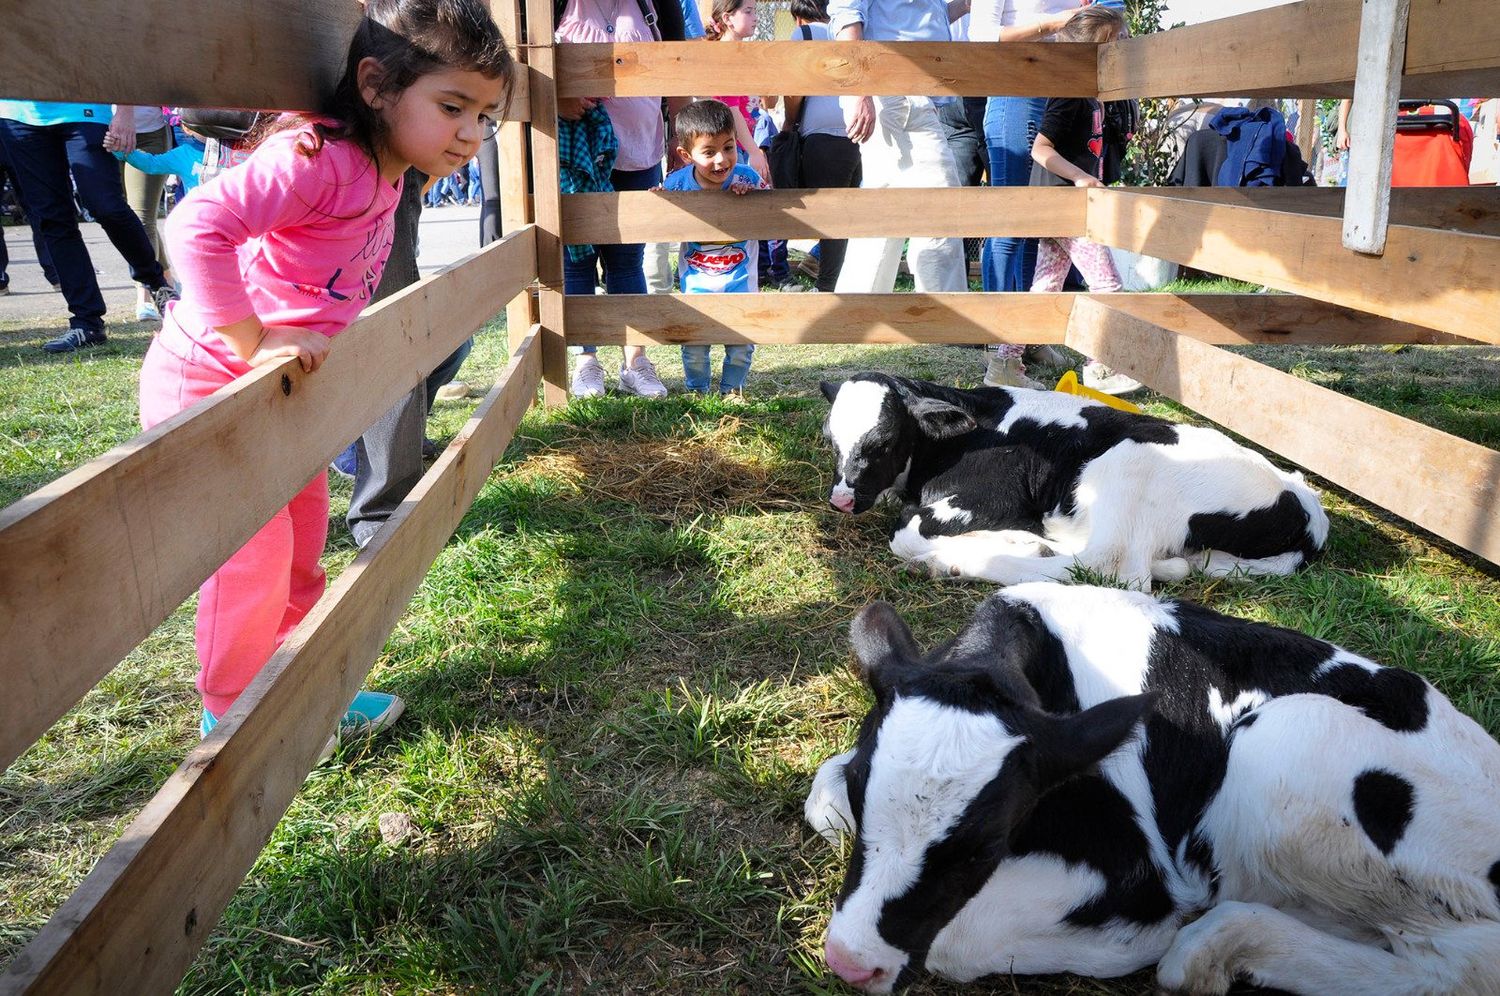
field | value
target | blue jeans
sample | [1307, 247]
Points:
[697, 367]
[1010, 126]
[42, 157]
[624, 270]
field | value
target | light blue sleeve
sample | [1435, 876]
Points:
[178, 161]
[743, 172]
[842, 13]
[681, 179]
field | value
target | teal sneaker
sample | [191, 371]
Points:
[368, 714]
[371, 712]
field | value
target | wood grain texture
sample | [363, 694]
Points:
[1372, 124]
[133, 533]
[1230, 319]
[545, 176]
[242, 56]
[1453, 46]
[662, 216]
[136, 921]
[1441, 483]
[968, 69]
[1475, 210]
[1440, 279]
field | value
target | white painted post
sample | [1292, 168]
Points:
[1372, 123]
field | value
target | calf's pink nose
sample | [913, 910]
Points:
[845, 965]
[844, 503]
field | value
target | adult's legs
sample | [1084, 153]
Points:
[143, 194]
[830, 161]
[1010, 126]
[489, 186]
[908, 149]
[97, 174]
[388, 457]
[39, 157]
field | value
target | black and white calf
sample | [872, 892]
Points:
[1012, 485]
[1082, 771]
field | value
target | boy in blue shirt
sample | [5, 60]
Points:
[705, 141]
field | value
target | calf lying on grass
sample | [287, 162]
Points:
[1082, 771]
[1013, 485]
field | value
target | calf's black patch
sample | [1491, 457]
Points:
[1280, 527]
[1394, 698]
[1383, 804]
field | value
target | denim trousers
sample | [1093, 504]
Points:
[1010, 126]
[697, 367]
[623, 265]
[43, 157]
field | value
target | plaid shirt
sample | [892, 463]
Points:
[586, 151]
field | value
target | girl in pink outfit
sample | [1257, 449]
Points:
[279, 255]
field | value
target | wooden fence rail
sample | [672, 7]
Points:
[135, 923]
[764, 319]
[134, 532]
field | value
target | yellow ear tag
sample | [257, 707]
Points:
[1068, 384]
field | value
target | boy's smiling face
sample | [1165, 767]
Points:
[713, 158]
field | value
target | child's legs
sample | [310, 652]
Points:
[1052, 266]
[696, 371]
[309, 512]
[251, 603]
[736, 367]
[240, 610]
[1095, 263]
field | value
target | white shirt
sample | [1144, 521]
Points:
[987, 17]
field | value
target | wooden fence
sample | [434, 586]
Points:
[134, 532]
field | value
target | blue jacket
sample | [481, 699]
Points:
[1256, 147]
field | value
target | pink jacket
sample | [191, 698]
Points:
[292, 239]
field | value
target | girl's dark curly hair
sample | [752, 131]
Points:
[409, 38]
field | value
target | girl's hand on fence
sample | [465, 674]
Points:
[859, 117]
[281, 341]
[573, 108]
[1088, 181]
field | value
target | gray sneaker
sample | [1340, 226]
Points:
[588, 378]
[1105, 380]
[1009, 371]
[640, 378]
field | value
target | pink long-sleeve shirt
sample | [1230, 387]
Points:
[291, 239]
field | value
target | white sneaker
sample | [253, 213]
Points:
[453, 391]
[640, 378]
[1008, 371]
[588, 378]
[1047, 356]
[1104, 380]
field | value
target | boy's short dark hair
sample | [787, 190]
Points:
[812, 11]
[703, 117]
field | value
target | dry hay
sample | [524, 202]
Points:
[676, 478]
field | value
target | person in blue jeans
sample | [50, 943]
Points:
[706, 141]
[45, 143]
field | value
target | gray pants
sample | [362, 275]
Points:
[389, 454]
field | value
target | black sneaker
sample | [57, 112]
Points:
[163, 294]
[75, 339]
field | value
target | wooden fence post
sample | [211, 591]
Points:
[515, 173]
[1372, 123]
[542, 63]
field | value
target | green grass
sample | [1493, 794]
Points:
[621, 673]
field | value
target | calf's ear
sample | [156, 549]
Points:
[1069, 745]
[940, 419]
[830, 391]
[882, 643]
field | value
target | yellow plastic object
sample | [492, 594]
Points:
[1069, 385]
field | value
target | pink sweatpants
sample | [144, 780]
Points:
[1093, 260]
[247, 608]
